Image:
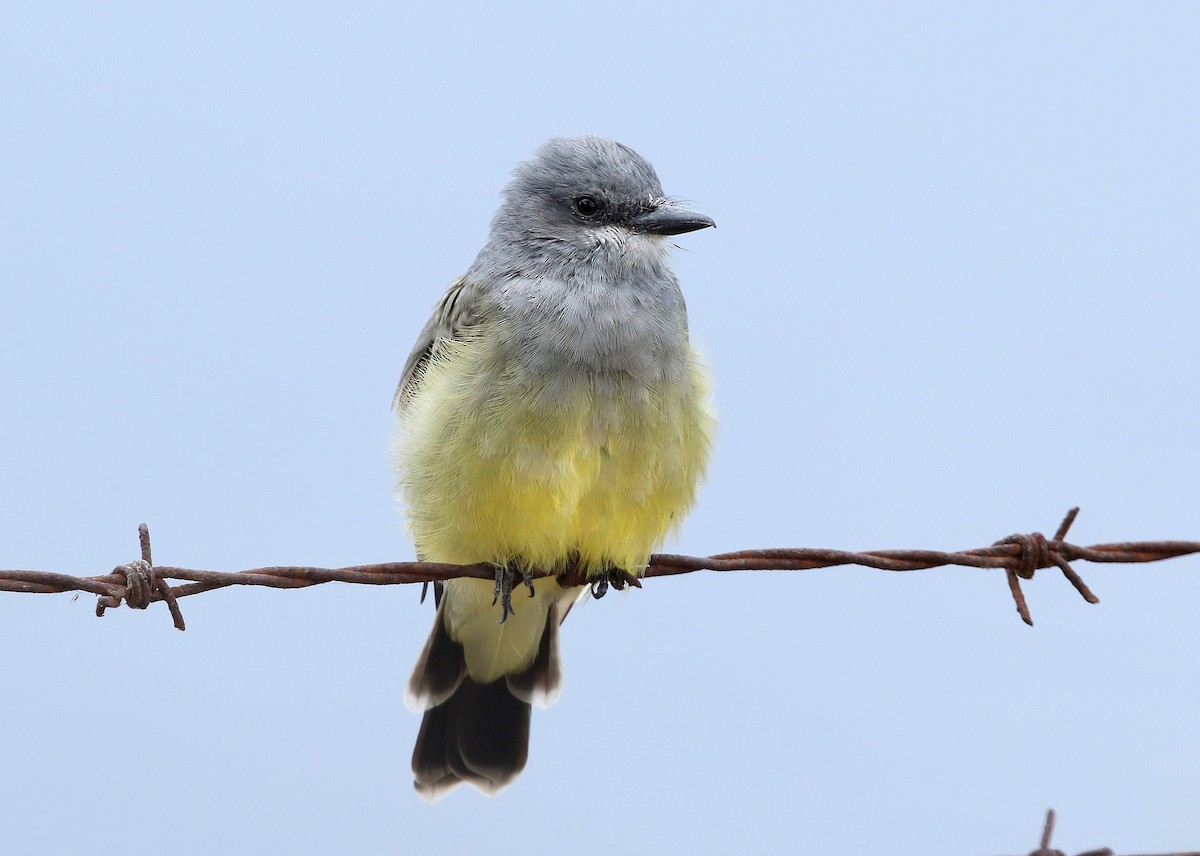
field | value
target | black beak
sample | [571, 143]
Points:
[668, 219]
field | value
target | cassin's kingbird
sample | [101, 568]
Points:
[554, 420]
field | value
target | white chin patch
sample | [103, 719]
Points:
[635, 246]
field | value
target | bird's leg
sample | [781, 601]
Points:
[505, 576]
[503, 591]
[614, 577]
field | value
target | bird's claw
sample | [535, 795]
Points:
[503, 590]
[614, 577]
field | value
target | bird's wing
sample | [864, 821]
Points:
[454, 313]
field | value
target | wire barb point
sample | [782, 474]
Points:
[141, 584]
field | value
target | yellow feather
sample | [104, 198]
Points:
[498, 465]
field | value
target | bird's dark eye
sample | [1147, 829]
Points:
[587, 205]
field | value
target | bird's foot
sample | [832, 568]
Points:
[505, 576]
[616, 578]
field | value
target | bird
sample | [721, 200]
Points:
[554, 421]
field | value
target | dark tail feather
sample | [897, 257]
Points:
[473, 732]
[479, 735]
[439, 669]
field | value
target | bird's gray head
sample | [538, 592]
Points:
[578, 195]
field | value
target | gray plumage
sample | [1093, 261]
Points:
[541, 253]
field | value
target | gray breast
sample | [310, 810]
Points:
[639, 329]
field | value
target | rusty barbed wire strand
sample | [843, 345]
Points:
[140, 583]
[1048, 830]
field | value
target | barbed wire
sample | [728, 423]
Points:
[141, 582]
[1048, 830]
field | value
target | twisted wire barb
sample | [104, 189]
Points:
[1048, 830]
[141, 582]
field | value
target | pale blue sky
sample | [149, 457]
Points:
[953, 292]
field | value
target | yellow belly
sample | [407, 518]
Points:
[497, 468]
